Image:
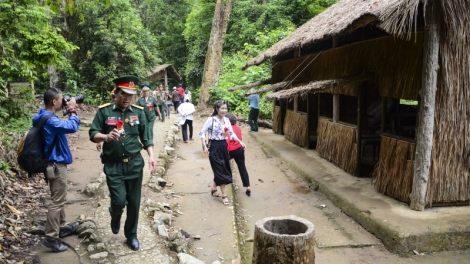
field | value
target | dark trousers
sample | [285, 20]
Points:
[126, 192]
[161, 107]
[253, 119]
[176, 104]
[124, 182]
[239, 156]
[184, 129]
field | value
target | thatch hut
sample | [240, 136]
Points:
[381, 87]
[164, 72]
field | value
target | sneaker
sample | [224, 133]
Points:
[68, 229]
[54, 244]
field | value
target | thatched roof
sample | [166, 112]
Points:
[158, 73]
[393, 16]
[317, 85]
[250, 85]
[274, 87]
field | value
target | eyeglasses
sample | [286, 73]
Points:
[128, 96]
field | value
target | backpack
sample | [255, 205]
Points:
[30, 150]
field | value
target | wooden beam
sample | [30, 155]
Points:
[428, 91]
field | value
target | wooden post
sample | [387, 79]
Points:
[285, 239]
[335, 96]
[166, 78]
[428, 91]
[359, 132]
[308, 120]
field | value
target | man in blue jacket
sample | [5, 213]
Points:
[53, 136]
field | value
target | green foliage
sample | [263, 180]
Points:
[15, 110]
[232, 75]
[113, 42]
[28, 41]
[166, 20]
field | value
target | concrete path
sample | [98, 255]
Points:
[276, 190]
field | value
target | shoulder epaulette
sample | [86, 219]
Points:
[138, 106]
[104, 105]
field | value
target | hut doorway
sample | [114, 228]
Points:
[312, 113]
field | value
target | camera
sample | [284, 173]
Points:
[78, 99]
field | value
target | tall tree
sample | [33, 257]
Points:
[214, 51]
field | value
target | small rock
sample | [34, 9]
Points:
[84, 226]
[216, 262]
[91, 248]
[100, 246]
[99, 255]
[170, 151]
[250, 239]
[197, 237]
[87, 232]
[162, 231]
[161, 182]
[162, 218]
[188, 259]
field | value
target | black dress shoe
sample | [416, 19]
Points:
[116, 224]
[133, 243]
[68, 229]
[54, 244]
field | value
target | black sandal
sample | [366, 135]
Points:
[213, 193]
[248, 192]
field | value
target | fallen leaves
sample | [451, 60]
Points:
[13, 209]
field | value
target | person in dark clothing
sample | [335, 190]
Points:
[237, 152]
[175, 97]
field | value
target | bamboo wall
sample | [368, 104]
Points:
[277, 120]
[336, 143]
[393, 174]
[395, 63]
[295, 128]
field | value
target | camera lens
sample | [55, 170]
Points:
[79, 99]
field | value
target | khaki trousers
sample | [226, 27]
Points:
[56, 173]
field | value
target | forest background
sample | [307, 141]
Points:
[80, 46]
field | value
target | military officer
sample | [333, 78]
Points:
[150, 107]
[120, 125]
[161, 101]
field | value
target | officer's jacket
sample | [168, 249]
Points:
[135, 127]
[149, 107]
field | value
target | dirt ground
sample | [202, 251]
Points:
[276, 190]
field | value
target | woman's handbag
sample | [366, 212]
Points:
[208, 141]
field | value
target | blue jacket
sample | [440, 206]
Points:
[55, 126]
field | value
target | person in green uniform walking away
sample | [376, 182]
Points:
[149, 104]
[161, 101]
[120, 125]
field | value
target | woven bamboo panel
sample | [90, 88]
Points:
[295, 128]
[277, 120]
[393, 174]
[336, 142]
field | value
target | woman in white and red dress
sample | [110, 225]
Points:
[219, 128]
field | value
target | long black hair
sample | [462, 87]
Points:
[217, 105]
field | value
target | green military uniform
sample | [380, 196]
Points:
[149, 105]
[161, 102]
[123, 164]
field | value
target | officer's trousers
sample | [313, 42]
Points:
[124, 182]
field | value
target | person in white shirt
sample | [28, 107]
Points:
[219, 128]
[186, 111]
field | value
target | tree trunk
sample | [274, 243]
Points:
[426, 108]
[285, 239]
[53, 76]
[213, 61]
